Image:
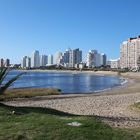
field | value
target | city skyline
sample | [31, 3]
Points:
[49, 25]
[70, 58]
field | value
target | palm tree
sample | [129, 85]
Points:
[3, 73]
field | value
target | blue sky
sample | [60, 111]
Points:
[54, 25]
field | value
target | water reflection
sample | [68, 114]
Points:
[67, 82]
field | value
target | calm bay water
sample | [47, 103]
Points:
[66, 81]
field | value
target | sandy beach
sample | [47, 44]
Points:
[111, 107]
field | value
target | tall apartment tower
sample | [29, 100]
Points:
[75, 57]
[58, 57]
[93, 58]
[28, 62]
[43, 60]
[7, 62]
[103, 59]
[90, 59]
[50, 59]
[23, 62]
[130, 53]
[65, 58]
[35, 59]
[1, 62]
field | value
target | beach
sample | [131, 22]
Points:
[112, 107]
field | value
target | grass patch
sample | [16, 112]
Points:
[135, 106]
[31, 123]
[27, 93]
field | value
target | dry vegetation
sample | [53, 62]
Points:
[29, 92]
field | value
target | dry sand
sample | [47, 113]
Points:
[112, 107]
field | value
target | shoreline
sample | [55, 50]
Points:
[123, 83]
[109, 91]
[111, 107]
[130, 80]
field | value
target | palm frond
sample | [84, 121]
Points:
[3, 73]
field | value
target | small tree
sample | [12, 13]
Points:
[3, 73]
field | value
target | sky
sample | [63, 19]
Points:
[55, 25]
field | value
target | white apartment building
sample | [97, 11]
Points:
[130, 53]
[26, 62]
[58, 57]
[92, 58]
[23, 62]
[35, 59]
[95, 59]
[114, 63]
[43, 60]
[50, 59]
[65, 59]
[75, 57]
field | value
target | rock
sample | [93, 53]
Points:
[74, 124]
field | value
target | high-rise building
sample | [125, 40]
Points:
[23, 62]
[7, 63]
[90, 59]
[103, 59]
[65, 58]
[50, 59]
[1, 62]
[98, 61]
[35, 59]
[130, 53]
[95, 59]
[75, 57]
[43, 60]
[28, 62]
[58, 57]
